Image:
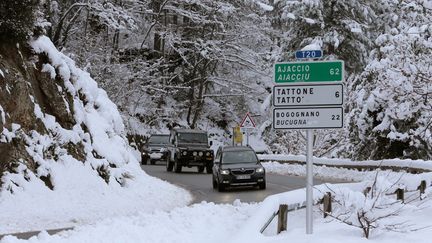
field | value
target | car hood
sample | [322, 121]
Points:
[157, 146]
[193, 146]
[241, 165]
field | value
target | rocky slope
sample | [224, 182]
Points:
[52, 112]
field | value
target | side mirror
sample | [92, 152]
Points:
[211, 143]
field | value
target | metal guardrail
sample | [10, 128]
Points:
[412, 170]
[291, 207]
[269, 221]
[327, 205]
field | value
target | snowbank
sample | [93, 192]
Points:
[241, 222]
[106, 182]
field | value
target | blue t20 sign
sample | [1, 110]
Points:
[304, 54]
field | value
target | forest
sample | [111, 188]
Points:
[206, 63]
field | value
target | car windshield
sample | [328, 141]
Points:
[158, 140]
[192, 137]
[234, 157]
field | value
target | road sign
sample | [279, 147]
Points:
[307, 118]
[308, 54]
[318, 71]
[309, 94]
[247, 122]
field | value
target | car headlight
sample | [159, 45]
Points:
[200, 153]
[224, 172]
[260, 170]
[184, 152]
[208, 154]
[194, 153]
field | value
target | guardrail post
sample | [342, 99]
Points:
[400, 194]
[327, 204]
[282, 218]
[422, 188]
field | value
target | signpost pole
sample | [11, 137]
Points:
[309, 182]
[247, 137]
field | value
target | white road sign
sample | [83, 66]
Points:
[307, 118]
[306, 95]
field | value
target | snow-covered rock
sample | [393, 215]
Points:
[63, 149]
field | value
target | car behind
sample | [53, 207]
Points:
[155, 149]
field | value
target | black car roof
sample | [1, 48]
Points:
[183, 130]
[236, 148]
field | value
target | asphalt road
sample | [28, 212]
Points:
[200, 185]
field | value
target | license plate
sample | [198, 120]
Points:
[243, 177]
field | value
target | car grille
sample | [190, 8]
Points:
[242, 172]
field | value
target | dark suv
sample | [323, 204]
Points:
[155, 149]
[237, 166]
[189, 147]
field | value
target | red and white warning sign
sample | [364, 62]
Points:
[247, 122]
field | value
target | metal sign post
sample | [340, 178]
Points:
[309, 182]
[247, 137]
[309, 95]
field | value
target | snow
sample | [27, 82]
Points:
[1, 73]
[242, 222]
[134, 207]
[82, 201]
[78, 194]
[209, 222]
[289, 16]
[356, 30]
[153, 213]
[427, 4]
[311, 47]
[2, 115]
[264, 6]
[49, 69]
[309, 20]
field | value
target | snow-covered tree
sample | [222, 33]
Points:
[205, 55]
[390, 101]
[16, 19]
[342, 29]
[377, 208]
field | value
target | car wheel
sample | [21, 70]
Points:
[220, 187]
[177, 166]
[214, 183]
[148, 160]
[152, 162]
[262, 186]
[169, 165]
[209, 169]
[200, 169]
